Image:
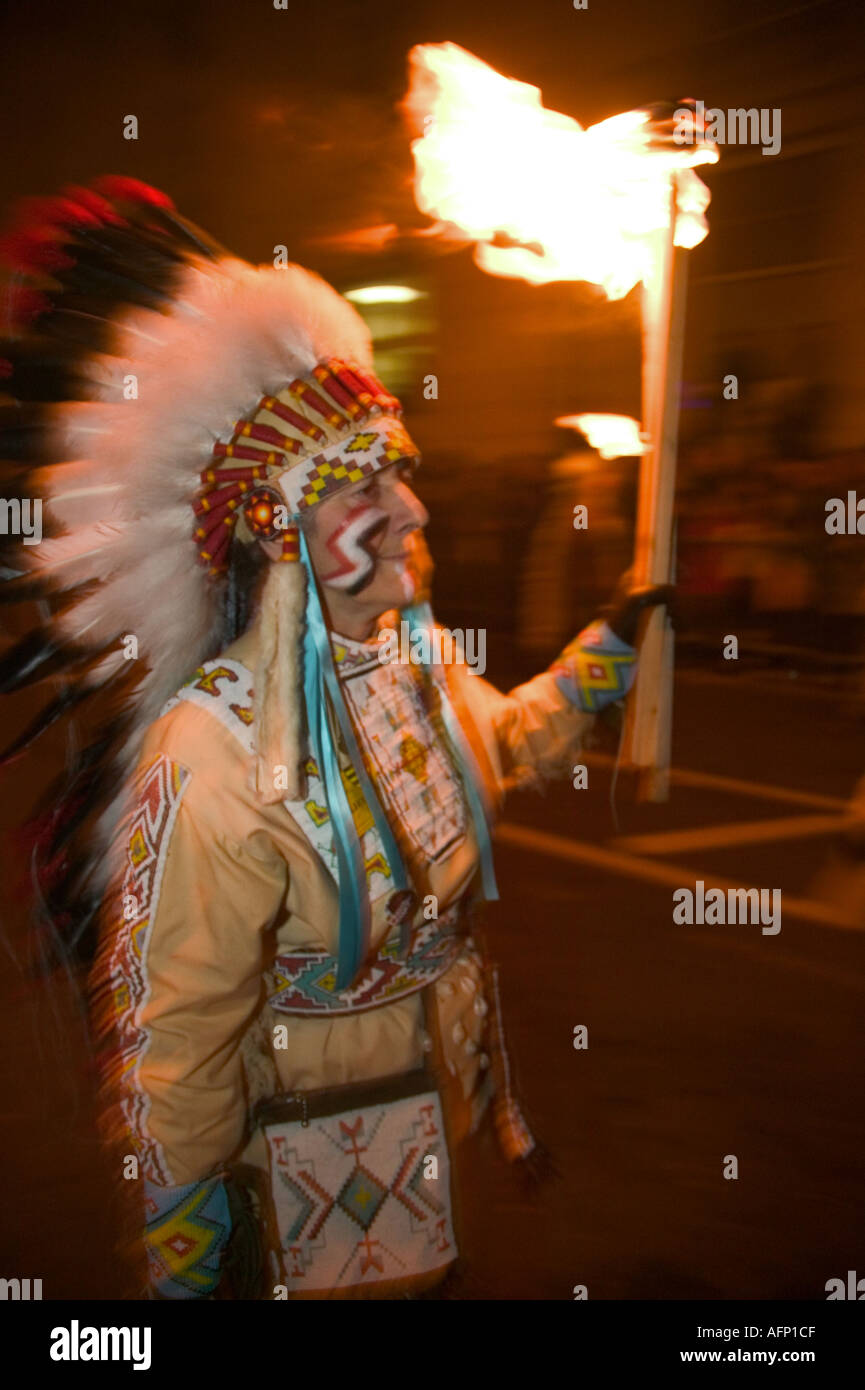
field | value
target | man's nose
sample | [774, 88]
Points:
[410, 512]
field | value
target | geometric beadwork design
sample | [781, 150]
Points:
[160, 789]
[353, 1200]
[397, 712]
[261, 514]
[383, 440]
[187, 1229]
[596, 669]
[336, 404]
[305, 981]
[224, 688]
[361, 1197]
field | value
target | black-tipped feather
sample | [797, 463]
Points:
[143, 254]
[34, 657]
[58, 375]
[129, 250]
[189, 235]
[62, 600]
[82, 329]
[56, 709]
[25, 588]
[19, 586]
[18, 486]
[118, 686]
[24, 431]
[89, 277]
[92, 791]
[42, 655]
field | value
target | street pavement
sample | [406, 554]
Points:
[703, 1041]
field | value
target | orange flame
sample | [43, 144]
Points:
[614, 436]
[543, 198]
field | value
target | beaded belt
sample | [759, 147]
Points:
[305, 981]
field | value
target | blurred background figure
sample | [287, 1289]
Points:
[572, 560]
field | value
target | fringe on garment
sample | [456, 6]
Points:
[278, 702]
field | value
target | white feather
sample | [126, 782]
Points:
[125, 493]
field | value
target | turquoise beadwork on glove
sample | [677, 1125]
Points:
[185, 1237]
[596, 669]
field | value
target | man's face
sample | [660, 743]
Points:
[360, 542]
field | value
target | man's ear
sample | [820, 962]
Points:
[272, 549]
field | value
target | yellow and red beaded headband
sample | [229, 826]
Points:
[297, 422]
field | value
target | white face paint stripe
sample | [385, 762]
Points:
[346, 544]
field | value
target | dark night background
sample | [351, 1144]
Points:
[272, 127]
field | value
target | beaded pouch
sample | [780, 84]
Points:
[360, 1192]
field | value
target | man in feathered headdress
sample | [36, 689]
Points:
[282, 829]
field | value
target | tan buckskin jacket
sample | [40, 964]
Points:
[217, 886]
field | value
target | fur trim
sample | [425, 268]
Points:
[278, 703]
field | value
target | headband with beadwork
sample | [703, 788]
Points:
[297, 448]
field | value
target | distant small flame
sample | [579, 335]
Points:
[614, 436]
[543, 198]
[384, 294]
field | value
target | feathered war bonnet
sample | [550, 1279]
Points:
[162, 398]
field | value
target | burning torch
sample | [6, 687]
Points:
[616, 204]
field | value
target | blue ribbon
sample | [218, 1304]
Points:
[320, 681]
[420, 618]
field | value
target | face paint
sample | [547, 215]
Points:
[347, 544]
